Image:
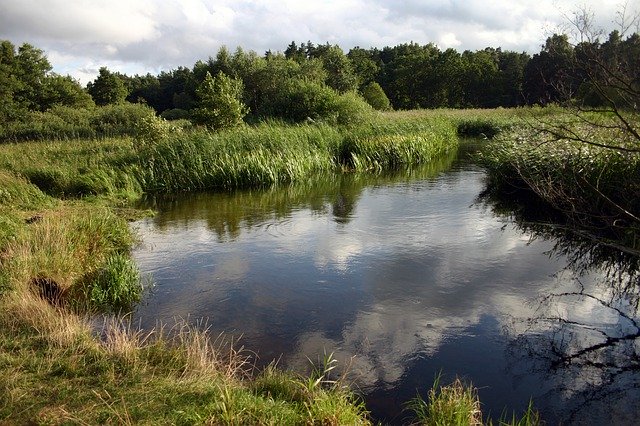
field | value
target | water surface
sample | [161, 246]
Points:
[402, 276]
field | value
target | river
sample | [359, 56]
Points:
[403, 276]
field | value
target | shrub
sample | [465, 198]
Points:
[220, 105]
[375, 96]
[175, 114]
[301, 100]
[351, 109]
[151, 129]
[121, 119]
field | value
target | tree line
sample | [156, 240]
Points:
[307, 79]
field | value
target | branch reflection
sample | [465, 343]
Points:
[584, 340]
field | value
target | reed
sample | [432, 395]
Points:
[594, 187]
[457, 404]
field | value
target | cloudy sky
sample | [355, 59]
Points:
[139, 36]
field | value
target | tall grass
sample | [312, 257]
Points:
[244, 157]
[73, 254]
[596, 188]
[457, 404]
[177, 375]
[390, 143]
[262, 155]
[66, 123]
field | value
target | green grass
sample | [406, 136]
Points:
[595, 187]
[63, 375]
[457, 404]
[249, 156]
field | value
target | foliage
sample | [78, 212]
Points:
[375, 96]
[219, 102]
[479, 127]
[175, 114]
[352, 110]
[107, 89]
[458, 404]
[455, 404]
[62, 123]
[594, 186]
[115, 286]
[64, 91]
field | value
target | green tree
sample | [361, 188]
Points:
[340, 74]
[64, 91]
[31, 68]
[220, 103]
[107, 88]
[375, 96]
[8, 82]
[363, 64]
[549, 74]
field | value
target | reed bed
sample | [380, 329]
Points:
[593, 184]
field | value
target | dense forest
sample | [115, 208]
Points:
[306, 78]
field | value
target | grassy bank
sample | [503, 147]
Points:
[585, 167]
[64, 253]
[262, 155]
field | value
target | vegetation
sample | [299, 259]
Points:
[219, 102]
[64, 253]
[322, 83]
[458, 404]
[64, 240]
[595, 187]
[62, 374]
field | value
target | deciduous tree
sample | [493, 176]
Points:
[220, 102]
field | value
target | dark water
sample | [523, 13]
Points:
[405, 276]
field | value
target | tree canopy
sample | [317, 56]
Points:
[405, 76]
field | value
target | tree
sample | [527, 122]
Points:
[375, 96]
[340, 75]
[548, 77]
[64, 91]
[31, 67]
[8, 82]
[364, 67]
[219, 102]
[107, 88]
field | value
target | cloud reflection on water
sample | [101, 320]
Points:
[416, 273]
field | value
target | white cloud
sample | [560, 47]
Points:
[150, 35]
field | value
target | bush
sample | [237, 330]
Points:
[54, 124]
[375, 96]
[61, 123]
[478, 128]
[301, 101]
[151, 129]
[352, 109]
[121, 119]
[220, 105]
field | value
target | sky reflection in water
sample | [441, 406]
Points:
[402, 276]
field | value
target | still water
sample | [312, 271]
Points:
[403, 276]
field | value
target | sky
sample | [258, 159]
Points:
[140, 36]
